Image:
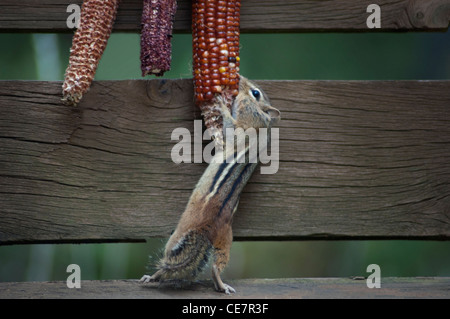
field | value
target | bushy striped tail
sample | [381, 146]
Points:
[187, 258]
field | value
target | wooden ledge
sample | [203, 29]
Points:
[256, 15]
[289, 288]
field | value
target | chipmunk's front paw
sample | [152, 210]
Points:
[227, 119]
[222, 106]
[221, 103]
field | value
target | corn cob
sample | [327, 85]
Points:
[215, 43]
[89, 42]
[156, 33]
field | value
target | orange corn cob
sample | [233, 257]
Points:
[215, 43]
[89, 42]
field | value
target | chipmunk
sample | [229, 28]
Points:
[205, 225]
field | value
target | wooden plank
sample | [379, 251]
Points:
[358, 159]
[257, 15]
[287, 288]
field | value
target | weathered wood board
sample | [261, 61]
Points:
[358, 159]
[256, 15]
[286, 288]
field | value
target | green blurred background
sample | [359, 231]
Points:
[344, 56]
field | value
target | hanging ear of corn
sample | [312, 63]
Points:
[89, 42]
[215, 43]
[156, 34]
[215, 28]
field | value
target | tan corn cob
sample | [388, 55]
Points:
[215, 43]
[89, 42]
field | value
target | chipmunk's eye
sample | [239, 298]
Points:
[256, 94]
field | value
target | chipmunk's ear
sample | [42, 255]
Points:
[275, 114]
[243, 83]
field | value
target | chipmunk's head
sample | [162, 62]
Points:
[252, 106]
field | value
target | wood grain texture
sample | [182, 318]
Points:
[358, 159]
[286, 288]
[256, 16]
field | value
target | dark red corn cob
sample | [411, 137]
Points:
[89, 41]
[215, 42]
[156, 34]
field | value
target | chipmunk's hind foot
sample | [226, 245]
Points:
[153, 278]
[219, 284]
